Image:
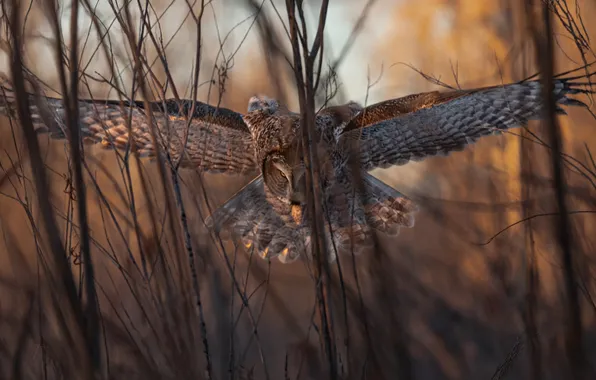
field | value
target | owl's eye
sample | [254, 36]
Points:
[283, 174]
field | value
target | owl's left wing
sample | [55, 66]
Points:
[215, 139]
[414, 127]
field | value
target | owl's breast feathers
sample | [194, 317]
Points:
[273, 132]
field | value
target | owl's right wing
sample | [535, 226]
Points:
[414, 127]
[215, 140]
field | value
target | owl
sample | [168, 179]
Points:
[269, 215]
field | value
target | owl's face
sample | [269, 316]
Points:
[263, 103]
[284, 177]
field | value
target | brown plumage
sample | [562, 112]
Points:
[217, 139]
[269, 215]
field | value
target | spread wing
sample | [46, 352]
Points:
[215, 140]
[417, 126]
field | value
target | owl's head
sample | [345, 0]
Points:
[262, 103]
[284, 178]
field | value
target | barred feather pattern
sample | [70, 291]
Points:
[418, 126]
[263, 225]
[213, 140]
[251, 219]
[387, 209]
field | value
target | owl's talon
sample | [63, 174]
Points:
[264, 253]
[296, 212]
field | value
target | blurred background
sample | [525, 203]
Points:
[456, 298]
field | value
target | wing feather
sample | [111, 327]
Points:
[417, 126]
[215, 140]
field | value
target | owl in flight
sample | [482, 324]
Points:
[269, 215]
